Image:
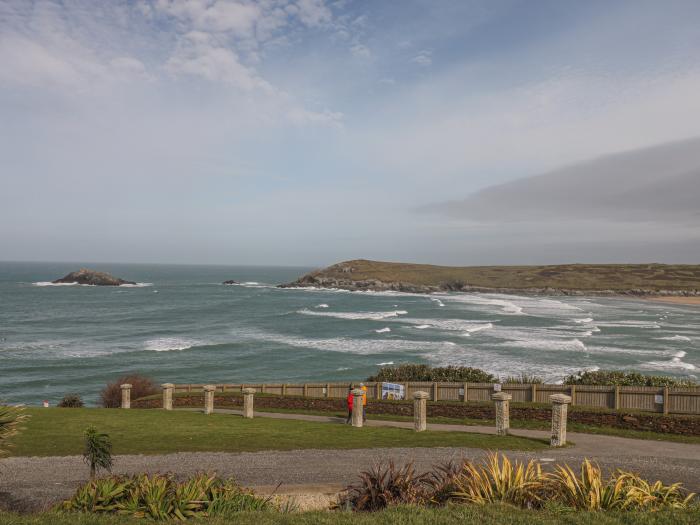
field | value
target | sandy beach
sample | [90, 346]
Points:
[694, 301]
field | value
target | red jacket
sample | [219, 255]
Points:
[350, 400]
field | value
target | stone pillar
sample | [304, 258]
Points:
[559, 410]
[248, 394]
[126, 395]
[168, 389]
[420, 411]
[209, 398]
[357, 407]
[502, 401]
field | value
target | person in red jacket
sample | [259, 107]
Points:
[350, 400]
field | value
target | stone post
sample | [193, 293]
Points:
[168, 389]
[209, 398]
[502, 401]
[126, 395]
[357, 407]
[559, 409]
[248, 394]
[420, 411]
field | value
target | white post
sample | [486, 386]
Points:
[209, 398]
[167, 395]
[248, 394]
[126, 395]
[420, 409]
[560, 404]
[502, 401]
[357, 407]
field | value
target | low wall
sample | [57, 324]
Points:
[685, 425]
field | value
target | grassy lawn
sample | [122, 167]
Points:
[466, 515]
[59, 432]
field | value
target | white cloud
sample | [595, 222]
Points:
[360, 51]
[314, 13]
[424, 58]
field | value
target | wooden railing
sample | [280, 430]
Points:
[666, 400]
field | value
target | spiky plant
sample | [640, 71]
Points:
[11, 419]
[500, 480]
[384, 485]
[441, 481]
[98, 451]
[589, 490]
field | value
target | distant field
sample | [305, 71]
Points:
[617, 277]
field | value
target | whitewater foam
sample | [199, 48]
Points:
[167, 344]
[322, 305]
[385, 363]
[383, 330]
[370, 316]
[49, 283]
[584, 320]
[675, 338]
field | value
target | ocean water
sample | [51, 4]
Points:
[180, 324]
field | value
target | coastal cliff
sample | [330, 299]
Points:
[570, 279]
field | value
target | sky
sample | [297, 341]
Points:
[305, 132]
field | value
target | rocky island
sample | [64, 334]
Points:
[640, 280]
[91, 277]
[230, 281]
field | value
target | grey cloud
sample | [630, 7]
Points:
[655, 184]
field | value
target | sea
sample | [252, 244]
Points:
[180, 324]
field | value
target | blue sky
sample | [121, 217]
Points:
[310, 131]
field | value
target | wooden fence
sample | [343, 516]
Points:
[666, 400]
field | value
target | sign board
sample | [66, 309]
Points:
[659, 399]
[393, 391]
[461, 391]
[497, 387]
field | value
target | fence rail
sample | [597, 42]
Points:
[666, 400]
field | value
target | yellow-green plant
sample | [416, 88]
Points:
[160, 497]
[11, 419]
[500, 480]
[590, 490]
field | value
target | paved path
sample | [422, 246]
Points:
[37, 482]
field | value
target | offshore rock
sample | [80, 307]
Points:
[230, 281]
[91, 277]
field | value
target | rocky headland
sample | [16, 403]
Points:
[637, 280]
[92, 278]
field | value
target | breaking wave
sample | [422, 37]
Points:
[167, 344]
[371, 316]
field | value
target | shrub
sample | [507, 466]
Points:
[416, 372]
[500, 480]
[11, 419]
[98, 451]
[523, 379]
[141, 386]
[385, 485]
[621, 378]
[623, 491]
[161, 497]
[71, 401]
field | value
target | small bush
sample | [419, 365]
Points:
[589, 490]
[71, 401]
[523, 379]
[621, 378]
[385, 485]
[98, 451]
[11, 419]
[415, 372]
[499, 480]
[141, 386]
[161, 497]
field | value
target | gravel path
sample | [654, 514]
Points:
[37, 482]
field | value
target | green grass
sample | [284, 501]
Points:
[59, 432]
[465, 515]
[590, 277]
